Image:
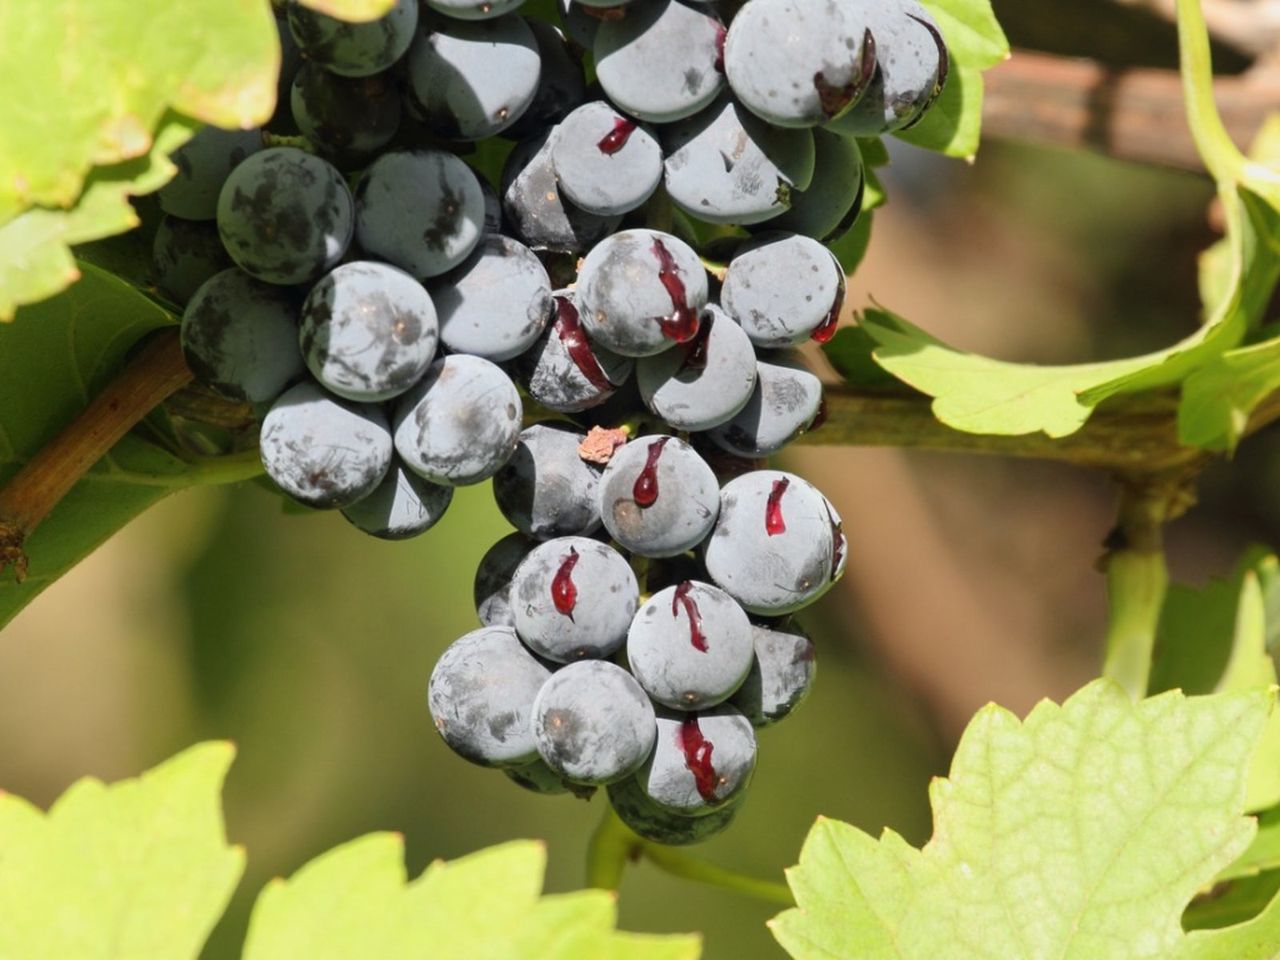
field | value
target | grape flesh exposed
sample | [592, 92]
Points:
[705, 382]
[658, 498]
[604, 161]
[641, 291]
[573, 598]
[285, 216]
[636, 628]
[799, 63]
[690, 646]
[701, 761]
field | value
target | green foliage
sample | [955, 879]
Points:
[142, 869]
[81, 338]
[138, 869]
[105, 89]
[976, 43]
[354, 902]
[1082, 831]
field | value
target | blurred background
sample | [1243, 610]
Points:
[970, 580]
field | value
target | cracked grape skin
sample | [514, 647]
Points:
[368, 331]
[240, 337]
[775, 574]
[799, 63]
[323, 451]
[595, 625]
[347, 118]
[422, 210]
[354, 49]
[472, 79]
[666, 778]
[561, 84]
[781, 675]
[660, 62]
[285, 216]
[621, 295]
[497, 568]
[535, 209]
[725, 165]
[184, 254]
[481, 696]
[553, 377]
[665, 661]
[461, 423]
[782, 287]
[403, 506]
[684, 511]
[605, 181]
[546, 489]
[786, 400]
[832, 202]
[592, 723]
[659, 825]
[912, 64]
[703, 383]
[496, 303]
[204, 162]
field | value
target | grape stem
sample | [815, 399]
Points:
[155, 373]
[614, 843]
[1137, 575]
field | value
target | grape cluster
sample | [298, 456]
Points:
[397, 320]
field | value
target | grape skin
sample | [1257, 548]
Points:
[461, 423]
[405, 190]
[184, 254]
[404, 505]
[322, 451]
[240, 337]
[204, 163]
[592, 723]
[646, 818]
[786, 400]
[492, 588]
[471, 79]
[285, 216]
[546, 489]
[368, 331]
[347, 118]
[781, 288]
[537, 212]
[780, 678]
[659, 63]
[354, 49]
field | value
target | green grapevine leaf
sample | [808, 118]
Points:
[53, 357]
[355, 902]
[980, 395]
[976, 43]
[88, 117]
[1081, 832]
[35, 261]
[140, 868]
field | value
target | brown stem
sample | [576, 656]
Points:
[1132, 114]
[155, 373]
[1128, 435]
